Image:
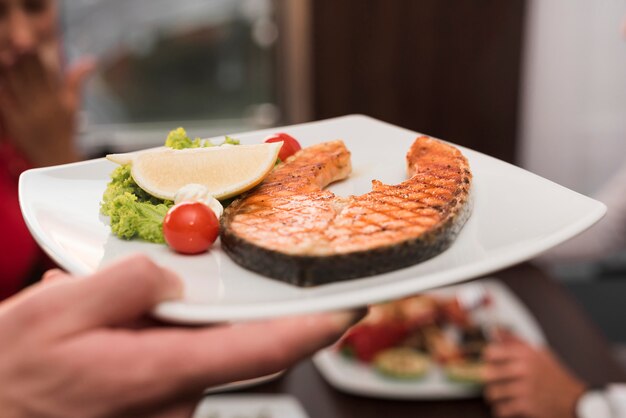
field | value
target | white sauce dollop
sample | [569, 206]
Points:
[199, 193]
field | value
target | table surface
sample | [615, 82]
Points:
[569, 331]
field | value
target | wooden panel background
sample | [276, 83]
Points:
[446, 68]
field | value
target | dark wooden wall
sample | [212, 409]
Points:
[446, 68]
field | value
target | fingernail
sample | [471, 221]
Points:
[52, 274]
[345, 319]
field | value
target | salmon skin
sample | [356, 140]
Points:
[290, 228]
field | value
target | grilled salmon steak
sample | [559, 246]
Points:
[290, 228]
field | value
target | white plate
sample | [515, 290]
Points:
[358, 378]
[252, 406]
[516, 216]
[242, 384]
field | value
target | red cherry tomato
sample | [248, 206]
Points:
[290, 144]
[190, 227]
[366, 340]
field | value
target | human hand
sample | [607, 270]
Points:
[528, 382]
[39, 107]
[74, 347]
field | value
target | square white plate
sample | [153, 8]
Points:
[351, 376]
[516, 216]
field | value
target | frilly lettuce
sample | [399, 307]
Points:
[178, 139]
[132, 218]
[133, 212]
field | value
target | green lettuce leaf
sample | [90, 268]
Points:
[178, 139]
[230, 140]
[131, 218]
[132, 211]
[122, 182]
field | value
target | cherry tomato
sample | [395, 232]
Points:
[366, 340]
[290, 144]
[190, 227]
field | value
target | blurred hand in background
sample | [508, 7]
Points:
[39, 99]
[523, 381]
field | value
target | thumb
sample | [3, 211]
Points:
[54, 274]
[123, 292]
[77, 74]
[116, 295]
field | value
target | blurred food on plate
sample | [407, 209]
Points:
[403, 339]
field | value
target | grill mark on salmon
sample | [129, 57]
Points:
[291, 229]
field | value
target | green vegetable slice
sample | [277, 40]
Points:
[401, 363]
[469, 372]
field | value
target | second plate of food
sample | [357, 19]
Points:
[426, 346]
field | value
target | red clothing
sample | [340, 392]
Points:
[19, 254]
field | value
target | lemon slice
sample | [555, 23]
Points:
[225, 171]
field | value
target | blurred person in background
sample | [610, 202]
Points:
[39, 100]
[527, 381]
[604, 239]
[524, 381]
[531, 382]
